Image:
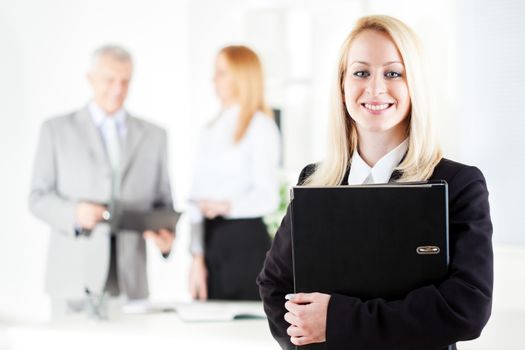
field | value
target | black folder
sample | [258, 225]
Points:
[369, 241]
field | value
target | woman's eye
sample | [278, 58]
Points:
[392, 74]
[361, 74]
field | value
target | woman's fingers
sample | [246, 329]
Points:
[193, 289]
[166, 234]
[155, 238]
[203, 290]
[209, 213]
[294, 308]
[304, 298]
[203, 283]
[194, 286]
[163, 239]
[148, 234]
[299, 336]
[301, 340]
[307, 312]
[292, 319]
[203, 205]
[167, 237]
[198, 281]
[211, 209]
[294, 331]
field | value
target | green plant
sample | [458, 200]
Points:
[273, 221]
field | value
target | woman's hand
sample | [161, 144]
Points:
[307, 316]
[211, 209]
[199, 278]
[163, 239]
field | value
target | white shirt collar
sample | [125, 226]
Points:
[382, 170]
[99, 115]
[231, 112]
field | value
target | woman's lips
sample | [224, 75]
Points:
[377, 108]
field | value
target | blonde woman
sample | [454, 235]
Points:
[381, 132]
[235, 183]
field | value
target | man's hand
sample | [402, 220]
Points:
[87, 215]
[307, 316]
[199, 278]
[163, 239]
[211, 209]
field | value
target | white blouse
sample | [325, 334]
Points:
[362, 173]
[245, 173]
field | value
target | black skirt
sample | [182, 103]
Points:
[234, 252]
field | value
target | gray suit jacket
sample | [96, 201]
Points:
[71, 165]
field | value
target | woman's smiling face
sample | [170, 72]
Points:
[375, 86]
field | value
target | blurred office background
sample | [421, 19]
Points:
[476, 53]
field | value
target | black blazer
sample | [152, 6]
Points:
[431, 317]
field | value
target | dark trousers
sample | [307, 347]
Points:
[234, 252]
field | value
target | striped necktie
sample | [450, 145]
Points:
[113, 149]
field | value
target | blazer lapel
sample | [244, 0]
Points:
[345, 177]
[134, 136]
[396, 175]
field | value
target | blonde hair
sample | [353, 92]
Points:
[248, 80]
[423, 150]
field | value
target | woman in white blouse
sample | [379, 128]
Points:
[234, 183]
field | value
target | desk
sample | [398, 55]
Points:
[147, 331]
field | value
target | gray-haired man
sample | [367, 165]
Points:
[97, 158]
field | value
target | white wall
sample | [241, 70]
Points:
[491, 119]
